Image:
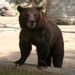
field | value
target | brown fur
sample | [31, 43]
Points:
[45, 35]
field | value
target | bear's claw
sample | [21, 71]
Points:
[42, 65]
[17, 65]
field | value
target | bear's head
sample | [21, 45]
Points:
[29, 17]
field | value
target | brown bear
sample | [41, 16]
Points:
[42, 32]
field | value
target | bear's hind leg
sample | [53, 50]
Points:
[57, 61]
[58, 54]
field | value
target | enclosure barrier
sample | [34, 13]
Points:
[28, 69]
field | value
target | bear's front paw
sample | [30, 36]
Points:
[18, 63]
[42, 65]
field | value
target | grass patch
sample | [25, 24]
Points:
[14, 7]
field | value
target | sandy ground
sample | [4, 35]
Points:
[9, 50]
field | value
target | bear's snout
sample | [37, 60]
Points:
[32, 23]
[31, 20]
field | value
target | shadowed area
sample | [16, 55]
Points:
[9, 40]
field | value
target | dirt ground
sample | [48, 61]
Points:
[9, 50]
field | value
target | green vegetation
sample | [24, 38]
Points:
[14, 7]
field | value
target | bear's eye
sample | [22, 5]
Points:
[27, 15]
[35, 15]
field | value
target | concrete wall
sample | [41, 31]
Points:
[62, 11]
[28, 69]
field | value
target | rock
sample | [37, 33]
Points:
[6, 10]
[2, 3]
[0, 11]
[9, 13]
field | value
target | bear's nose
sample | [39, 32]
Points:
[32, 22]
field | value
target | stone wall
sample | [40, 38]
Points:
[22, 1]
[62, 11]
[17, 1]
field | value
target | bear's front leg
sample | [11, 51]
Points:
[25, 49]
[42, 52]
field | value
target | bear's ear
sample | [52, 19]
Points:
[19, 8]
[39, 8]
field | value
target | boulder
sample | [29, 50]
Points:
[6, 10]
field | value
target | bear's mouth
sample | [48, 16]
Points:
[31, 24]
